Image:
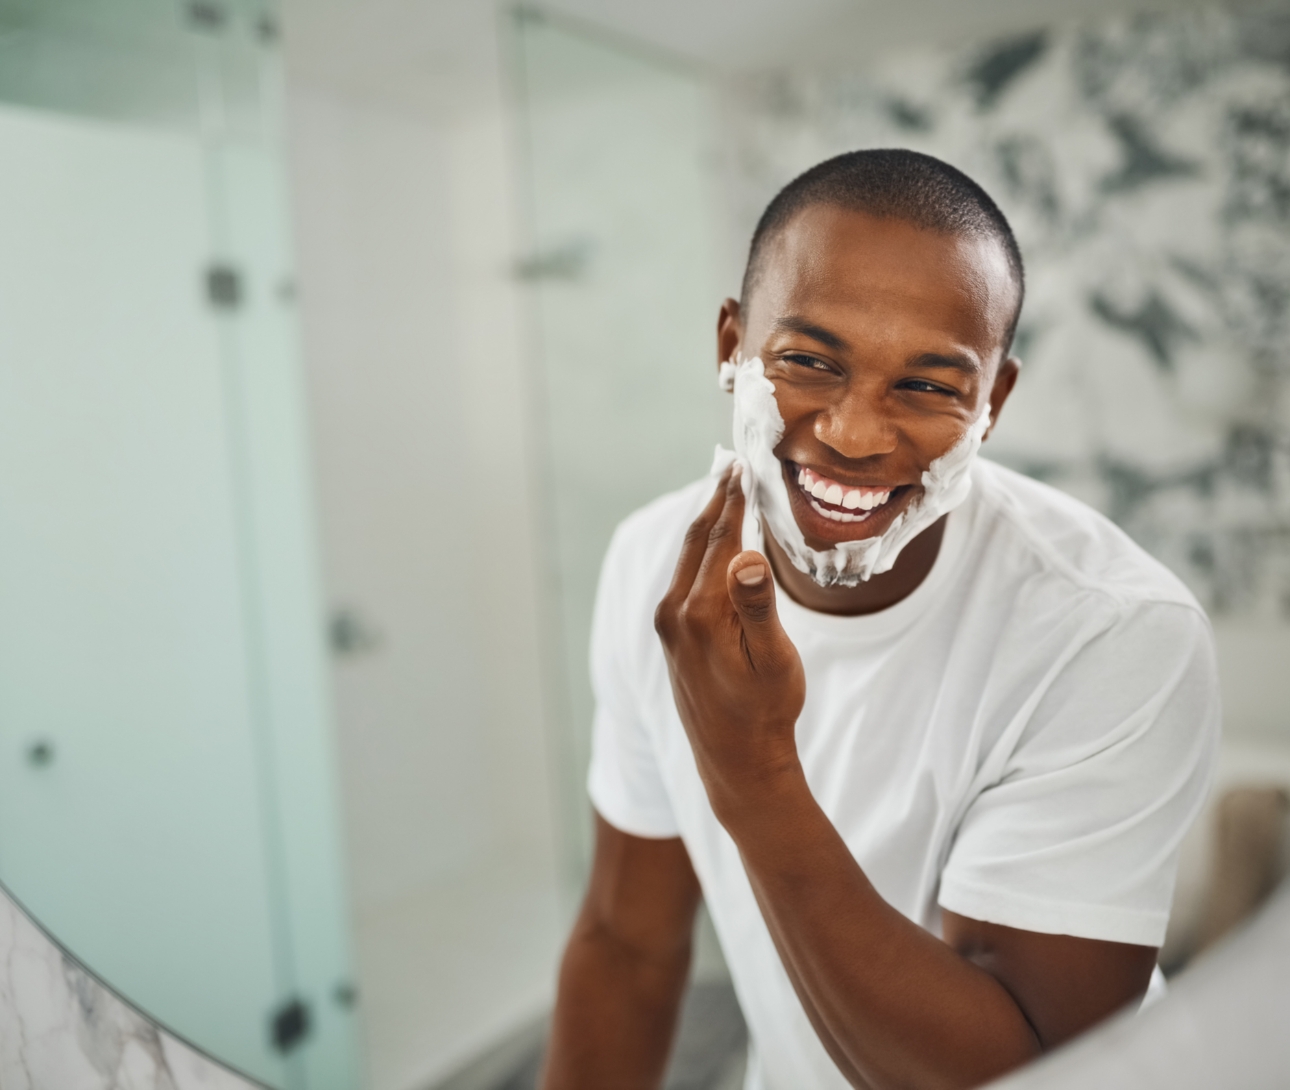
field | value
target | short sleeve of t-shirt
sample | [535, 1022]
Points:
[624, 782]
[1080, 833]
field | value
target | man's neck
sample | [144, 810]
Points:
[880, 592]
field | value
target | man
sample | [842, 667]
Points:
[924, 733]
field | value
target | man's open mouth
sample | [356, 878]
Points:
[840, 502]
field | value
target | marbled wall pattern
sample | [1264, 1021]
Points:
[61, 1029]
[1145, 165]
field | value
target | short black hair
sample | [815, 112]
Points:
[892, 183]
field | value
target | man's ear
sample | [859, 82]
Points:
[1004, 381]
[729, 331]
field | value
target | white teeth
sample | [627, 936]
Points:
[876, 499]
[852, 499]
[838, 516]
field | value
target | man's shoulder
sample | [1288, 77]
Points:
[1067, 540]
[645, 546]
[652, 534]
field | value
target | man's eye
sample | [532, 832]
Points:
[809, 362]
[921, 387]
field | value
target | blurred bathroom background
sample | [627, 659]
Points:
[337, 335]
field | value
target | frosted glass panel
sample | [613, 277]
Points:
[167, 806]
[626, 301]
[124, 654]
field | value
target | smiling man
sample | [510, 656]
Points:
[925, 734]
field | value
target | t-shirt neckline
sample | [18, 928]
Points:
[895, 618]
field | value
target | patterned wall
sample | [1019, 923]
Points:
[1145, 165]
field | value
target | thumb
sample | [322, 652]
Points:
[752, 593]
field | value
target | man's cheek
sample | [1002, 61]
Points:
[935, 441]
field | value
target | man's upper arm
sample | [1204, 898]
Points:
[642, 895]
[1061, 874]
[1063, 984]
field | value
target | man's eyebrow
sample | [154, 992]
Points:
[794, 324]
[956, 362]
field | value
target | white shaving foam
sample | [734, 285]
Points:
[758, 428]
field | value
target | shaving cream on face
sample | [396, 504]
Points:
[758, 428]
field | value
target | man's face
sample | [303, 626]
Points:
[884, 342]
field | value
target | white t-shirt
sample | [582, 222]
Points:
[1023, 740]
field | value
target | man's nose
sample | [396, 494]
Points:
[858, 426]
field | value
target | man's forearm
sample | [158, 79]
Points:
[893, 1005]
[615, 1014]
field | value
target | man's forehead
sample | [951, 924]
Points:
[825, 239]
[833, 259]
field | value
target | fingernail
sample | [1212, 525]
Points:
[736, 471]
[751, 575]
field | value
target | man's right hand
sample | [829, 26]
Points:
[625, 967]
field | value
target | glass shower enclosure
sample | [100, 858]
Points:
[167, 808]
